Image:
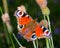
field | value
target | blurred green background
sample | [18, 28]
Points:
[33, 10]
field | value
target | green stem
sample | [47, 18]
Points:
[6, 33]
[11, 40]
[16, 40]
[37, 43]
[47, 41]
[49, 23]
[5, 30]
[34, 44]
[50, 31]
[44, 21]
[1, 10]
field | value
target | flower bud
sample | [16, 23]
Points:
[45, 11]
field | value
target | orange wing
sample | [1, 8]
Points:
[39, 31]
[24, 20]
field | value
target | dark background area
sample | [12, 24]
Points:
[33, 10]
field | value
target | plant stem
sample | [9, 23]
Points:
[47, 41]
[5, 30]
[6, 33]
[37, 43]
[16, 40]
[5, 5]
[11, 40]
[1, 10]
[34, 44]
[50, 31]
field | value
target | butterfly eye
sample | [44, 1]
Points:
[20, 27]
[44, 29]
[19, 13]
[33, 36]
[46, 33]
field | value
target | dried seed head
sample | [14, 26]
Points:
[5, 18]
[42, 3]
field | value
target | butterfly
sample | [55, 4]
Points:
[29, 28]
